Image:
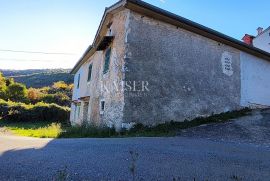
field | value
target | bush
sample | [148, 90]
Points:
[17, 92]
[58, 98]
[12, 111]
[3, 87]
[33, 95]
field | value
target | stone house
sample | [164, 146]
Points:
[147, 65]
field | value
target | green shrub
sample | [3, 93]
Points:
[168, 128]
[17, 92]
[12, 111]
[3, 87]
[88, 131]
[57, 98]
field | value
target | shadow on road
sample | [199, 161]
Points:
[176, 158]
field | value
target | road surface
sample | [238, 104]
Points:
[177, 158]
[236, 150]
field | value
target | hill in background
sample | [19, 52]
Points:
[38, 78]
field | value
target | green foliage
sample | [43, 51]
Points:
[63, 130]
[21, 112]
[3, 87]
[33, 129]
[17, 92]
[60, 85]
[39, 78]
[166, 129]
[47, 104]
[58, 98]
[59, 93]
[170, 128]
[88, 131]
[34, 95]
[9, 81]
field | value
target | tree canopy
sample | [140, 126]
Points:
[17, 92]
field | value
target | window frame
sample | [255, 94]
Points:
[89, 77]
[102, 106]
[78, 111]
[107, 58]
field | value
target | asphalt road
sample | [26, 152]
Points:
[178, 158]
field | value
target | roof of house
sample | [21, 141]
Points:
[265, 30]
[168, 17]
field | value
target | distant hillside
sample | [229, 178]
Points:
[38, 78]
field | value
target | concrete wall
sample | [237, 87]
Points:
[114, 100]
[263, 41]
[187, 73]
[255, 81]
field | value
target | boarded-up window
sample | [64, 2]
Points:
[89, 72]
[107, 60]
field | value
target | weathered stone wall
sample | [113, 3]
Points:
[189, 75]
[114, 100]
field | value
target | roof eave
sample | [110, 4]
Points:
[82, 60]
[79, 63]
[166, 16]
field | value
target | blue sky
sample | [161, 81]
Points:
[69, 26]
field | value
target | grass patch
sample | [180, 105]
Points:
[36, 129]
[171, 128]
[88, 132]
[162, 130]
[56, 130]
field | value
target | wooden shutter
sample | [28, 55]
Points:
[89, 72]
[107, 61]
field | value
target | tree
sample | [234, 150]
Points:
[33, 95]
[70, 86]
[60, 85]
[17, 92]
[9, 81]
[58, 98]
[3, 87]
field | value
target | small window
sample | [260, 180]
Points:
[79, 79]
[89, 72]
[107, 60]
[102, 107]
[77, 111]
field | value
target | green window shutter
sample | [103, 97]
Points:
[107, 61]
[89, 72]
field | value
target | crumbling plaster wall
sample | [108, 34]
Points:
[114, 99]
[185, 72]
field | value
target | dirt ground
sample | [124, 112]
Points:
[254, 128]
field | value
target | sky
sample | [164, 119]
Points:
[39, 34]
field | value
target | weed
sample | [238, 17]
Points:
[62, 175]
[132, 168]
[236, 178]
[48, 130]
